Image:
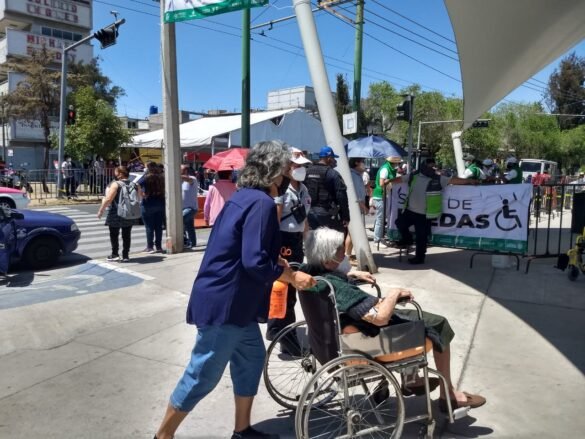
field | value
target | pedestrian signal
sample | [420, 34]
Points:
[403, 111]
[70, 117]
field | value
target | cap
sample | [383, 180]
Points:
[488, 162]
[327, 151]
[468, 156]
[394, 159]
[298, 156]
[511, 160]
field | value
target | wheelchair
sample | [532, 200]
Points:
[344, 385]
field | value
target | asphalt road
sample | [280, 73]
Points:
[94, 243]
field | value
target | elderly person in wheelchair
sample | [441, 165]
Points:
[324, 250]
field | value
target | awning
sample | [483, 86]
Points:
[502, 43]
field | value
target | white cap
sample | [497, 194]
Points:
[298, 156]
[511, 160]
[488, 162]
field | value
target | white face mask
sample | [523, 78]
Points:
[299, 174]
[344, 267]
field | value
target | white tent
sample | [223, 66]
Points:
[502, 43]
[293, 126]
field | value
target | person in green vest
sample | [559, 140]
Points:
[513, 173]
[386, 173]
[472, 170]
[423, 203]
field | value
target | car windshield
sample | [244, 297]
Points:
[530, 166]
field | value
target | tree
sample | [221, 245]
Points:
[81, 74]
[97, 130]
[36, 97]
[342, 101]
[566, 90]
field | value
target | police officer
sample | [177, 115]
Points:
[472, 170]
[329, 206]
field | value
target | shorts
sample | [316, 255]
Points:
[215, 347]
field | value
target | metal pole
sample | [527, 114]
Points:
[172, 141]
[4, 155]
[62, 120]
[331, 129]
[411, 97]
[357, 65]
[418, 145]
[245, 78]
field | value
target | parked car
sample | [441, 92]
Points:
[13, 198]
[35, 238]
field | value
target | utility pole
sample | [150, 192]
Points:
[172, 140]
[245, 78]
[331, 129]
[411, 98]
[357, 66]
[4, 154]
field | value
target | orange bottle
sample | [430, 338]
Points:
[278, 300]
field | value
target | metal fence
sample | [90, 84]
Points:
[557, 213]
[42, 184]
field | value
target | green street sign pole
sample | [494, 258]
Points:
[357, 66]
[245, 142]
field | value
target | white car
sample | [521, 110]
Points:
[13, 198]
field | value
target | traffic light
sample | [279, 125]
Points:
[71, 116]
[480, 123]
[107, 36]
[403, 111]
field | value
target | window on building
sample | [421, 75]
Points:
[46, 31]
[77, 37]
[67, 36]
[57, 33]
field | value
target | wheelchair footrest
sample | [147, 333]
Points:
[461, 412]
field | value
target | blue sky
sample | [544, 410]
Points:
[209, 53]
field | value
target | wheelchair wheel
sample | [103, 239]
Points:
[289, 365]
[350, 397]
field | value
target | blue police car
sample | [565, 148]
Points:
[35, 238]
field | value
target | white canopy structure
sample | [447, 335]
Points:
[295, 127]
[502, 43]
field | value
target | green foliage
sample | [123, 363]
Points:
[566, 90]
[36, 97]
[82, 75]
[97, 129]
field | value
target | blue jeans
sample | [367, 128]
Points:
[153, 215]
[216, 346]
[188, 226]
[379, 224]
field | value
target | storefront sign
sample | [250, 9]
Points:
[30, 129]
[181, 10]
[489, 218]
[62, 11]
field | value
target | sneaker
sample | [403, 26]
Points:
[252, 433]
[187, 244]
[113, 258]
[149, 250]
[159, 250]
[125, 259]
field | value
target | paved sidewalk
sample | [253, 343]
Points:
[103, 364]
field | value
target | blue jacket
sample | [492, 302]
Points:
[240, 264]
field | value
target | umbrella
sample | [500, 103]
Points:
[233, 158]
[374, 147]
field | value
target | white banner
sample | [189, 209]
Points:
[181, 10]
[490, 218]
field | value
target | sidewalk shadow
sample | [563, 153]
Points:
[150, 259]
[15, 280]
[544, 298]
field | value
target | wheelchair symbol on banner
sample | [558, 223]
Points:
[508, 214]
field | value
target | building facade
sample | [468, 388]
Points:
[26, 26]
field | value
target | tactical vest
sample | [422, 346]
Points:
[379, 190]
[315, 181]
[518, 178]
[434, 196]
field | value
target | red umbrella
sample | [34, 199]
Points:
[233, 158]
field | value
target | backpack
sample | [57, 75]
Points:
[128, 201]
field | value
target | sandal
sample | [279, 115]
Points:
[473, 402]
[419, 389]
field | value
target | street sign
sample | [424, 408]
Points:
[350, 122]
[182, 10]
[10, 153]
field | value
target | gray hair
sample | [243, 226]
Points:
[265, 162]
[321, 245]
